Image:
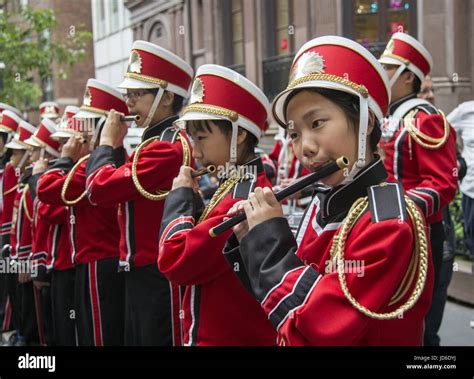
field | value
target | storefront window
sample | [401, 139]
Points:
[372, 22]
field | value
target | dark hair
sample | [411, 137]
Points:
[416, 82]
[225, 127]
[177, 100]
[4, 136]
[350, 105]
[177, 104]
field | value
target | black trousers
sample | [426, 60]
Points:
[4, 312]
[7, 322]
[13, 313]
[99, 303]
[432, 321]
[31, 323]
[62, 307]
[148, 314]
[46, 314]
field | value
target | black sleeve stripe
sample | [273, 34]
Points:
[433, 194]
[420, 202]
[296, 298]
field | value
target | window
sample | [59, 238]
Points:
[47, 89]
[279, 45]
[100, 19]
[372, 22]
[234, 54]
[237, 32]
[282, 24]
[157, 34]
[114, 16]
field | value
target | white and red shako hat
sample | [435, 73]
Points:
[49, 109]
[9, 121]
[99, 99]
[4, 107]
[340, 64]
[25, 131]
[42, 137]
[219, 93]
[68, 126]
[407, 52]
[151, 66]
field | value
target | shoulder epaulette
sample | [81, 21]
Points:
[244, 187]
[386, 202]
[428, 109]
[169, 134]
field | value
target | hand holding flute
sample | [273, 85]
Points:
[134, 117]
[204, 171]
[258, 202]
[115, 129]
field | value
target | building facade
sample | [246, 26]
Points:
[113, 39]
[70, 16]
[260, 37]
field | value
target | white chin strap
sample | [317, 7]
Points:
[233, 144]
[23, 159]
[362, 143]
[155, 104]
[397, 74]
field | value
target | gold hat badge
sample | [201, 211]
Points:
[49, 110]
[87, 101]
[135, 63]
[309, 63]
[197, 92]
[389, 49]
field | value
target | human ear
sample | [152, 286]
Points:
[409, 78]
[241, 136]
[167, 98]
[370, 126]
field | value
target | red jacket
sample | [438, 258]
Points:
[20, 234]
[8, 192]
[59, 243]
[429, 176]
[54, 251]
[94, 231]
[110, 183]
[218, 310]
[299, 290]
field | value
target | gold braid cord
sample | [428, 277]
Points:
[218, 196]
[23, 202]
[419, 261]
[11, 190]
[159, 195]
[421, 138]
[68, 181]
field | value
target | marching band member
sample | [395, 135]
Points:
[27, 296]
[156, 82]
[43, 147]
[226, 117]
[419, 144]
[10, 121]
[94, 232]
[59, 261]
[358, 271]
[49, 109]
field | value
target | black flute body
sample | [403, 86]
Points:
[297, 186]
